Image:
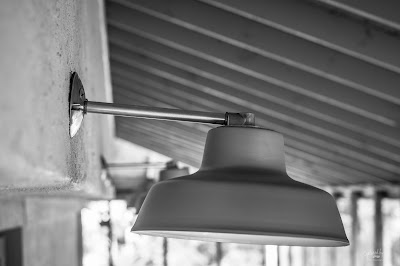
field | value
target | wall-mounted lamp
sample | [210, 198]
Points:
[240, 194]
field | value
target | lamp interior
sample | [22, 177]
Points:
[260, 238]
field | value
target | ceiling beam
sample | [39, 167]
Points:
[382, 13]
[351, 36]
[253, 86]
[257, 66]
[274, 44]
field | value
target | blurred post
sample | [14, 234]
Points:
[110, 233]
[279, 254]
[290, 256]
[264, 256]
[218, 254]
[305, 256]
[378, 227]
[165, 251]
[332, 251]
[355, 226]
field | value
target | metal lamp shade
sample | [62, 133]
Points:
[242, 194]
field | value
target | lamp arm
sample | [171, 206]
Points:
[79, 106]
[165, 113]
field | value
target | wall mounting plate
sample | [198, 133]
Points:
[76, 98]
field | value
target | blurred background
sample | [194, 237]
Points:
[370, 216]
[324, 73]
[126, 248]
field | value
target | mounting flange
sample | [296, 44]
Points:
[76, 97]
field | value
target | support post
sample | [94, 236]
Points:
[278, 255]
[165, 251]
[332, 250]
[218, 253]
[378, 228]
[355, 226]
[264, 256]
[290, 256]
[305, 256]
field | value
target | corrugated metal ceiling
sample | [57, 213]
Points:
[324, 73]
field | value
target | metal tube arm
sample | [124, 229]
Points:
[154, 113]
[79, 106]
[165, 113]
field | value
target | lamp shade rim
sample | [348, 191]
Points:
[245, 127]
[253, 237]
[242, 194]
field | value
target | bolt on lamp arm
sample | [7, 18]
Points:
[79, 106]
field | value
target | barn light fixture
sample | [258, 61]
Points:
[241, 193]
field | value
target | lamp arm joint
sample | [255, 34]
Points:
[239, 119]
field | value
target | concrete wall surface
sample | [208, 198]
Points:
[45, 176]
[50, 228]
[51, 233]
[42, 43]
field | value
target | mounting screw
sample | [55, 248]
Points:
[82, 94]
